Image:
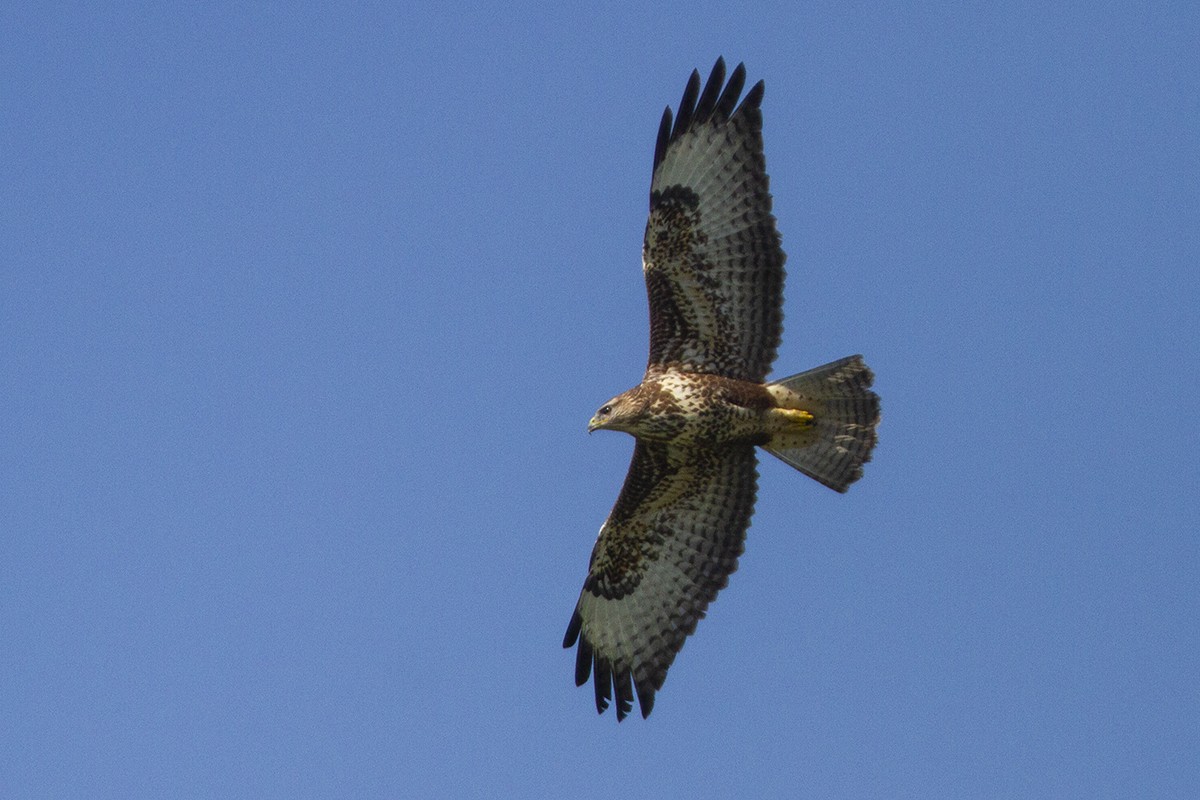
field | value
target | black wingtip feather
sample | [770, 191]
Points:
[718, 101]
[733, 90]
[645, 700]
[623, 683]
[602, 682]
[754, 96]
[583, 662]
[573, 629]
[664, 137]
[687, 105]
[712, 89]
[609, 680]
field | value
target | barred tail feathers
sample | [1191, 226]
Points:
[845, 412]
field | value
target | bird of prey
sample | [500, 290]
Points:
[714, 275]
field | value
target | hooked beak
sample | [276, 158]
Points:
[594, 424]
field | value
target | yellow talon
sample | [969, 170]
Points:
[802, 419]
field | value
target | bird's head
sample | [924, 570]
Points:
[618, 414]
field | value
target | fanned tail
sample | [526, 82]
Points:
[842, 433]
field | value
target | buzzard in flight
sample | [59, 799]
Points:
[714, 274]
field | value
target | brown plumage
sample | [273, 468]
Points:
[714, 276]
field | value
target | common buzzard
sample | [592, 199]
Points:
[714, 274]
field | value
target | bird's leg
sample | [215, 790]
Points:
[792, 420]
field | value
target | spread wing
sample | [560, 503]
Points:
[667, 548]
[711, 255]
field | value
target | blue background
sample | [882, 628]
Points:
[304, 310]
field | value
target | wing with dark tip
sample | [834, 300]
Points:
[669, 545]
[711, 255]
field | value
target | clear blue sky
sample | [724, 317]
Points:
[304, 310]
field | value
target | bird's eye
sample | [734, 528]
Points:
[605, 411]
